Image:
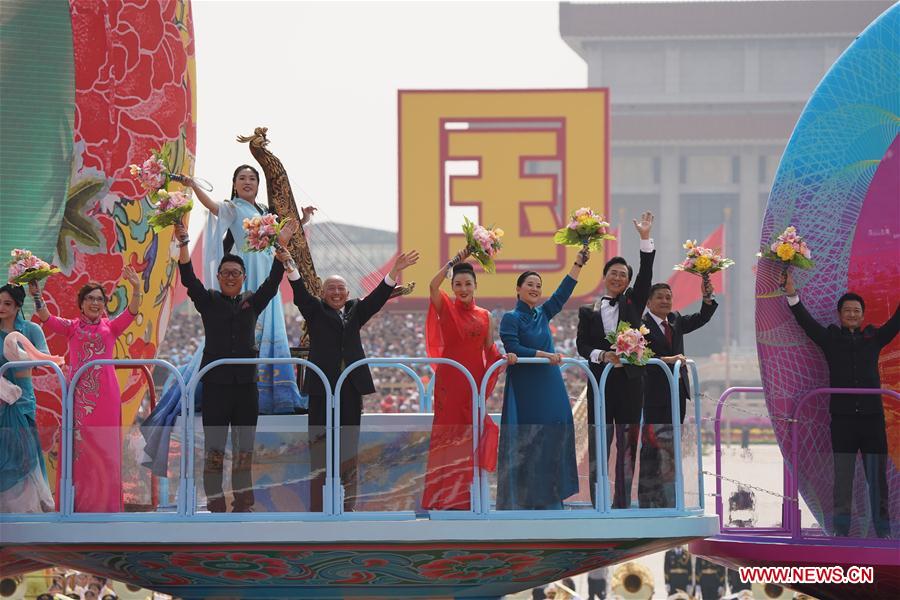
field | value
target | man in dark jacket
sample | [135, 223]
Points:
[656, 487]
[857, 421]
[624, 386]
[230, 396]
[333, 323]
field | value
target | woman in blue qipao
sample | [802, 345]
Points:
[278, 392]
[536, 466]
[23, 475]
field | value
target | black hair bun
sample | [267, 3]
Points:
[463, 267]
[16, 291]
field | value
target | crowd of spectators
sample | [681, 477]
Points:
[390, 333]
[84, 586]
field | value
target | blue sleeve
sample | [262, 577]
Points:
[556, 302]
[36, 336]
[509, 334]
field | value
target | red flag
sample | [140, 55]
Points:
[370, 282]
[686, 286]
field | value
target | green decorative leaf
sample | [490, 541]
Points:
[76, 224]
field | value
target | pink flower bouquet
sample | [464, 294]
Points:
[790, 249]
[483, 243]
[262, 232]
[702, 261]
[25, 267]
[630, 345]
[153, 173]
[586, 228]
[170, 208]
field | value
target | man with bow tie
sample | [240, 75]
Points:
[333, 323]
[656, 487]
[624, 386]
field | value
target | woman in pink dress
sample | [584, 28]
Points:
[97, 466]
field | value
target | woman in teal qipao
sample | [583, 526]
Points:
[23, 476]
[536, 466]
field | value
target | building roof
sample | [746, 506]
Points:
[717, 19]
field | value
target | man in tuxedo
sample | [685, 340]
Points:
[333, 323]
[857, 422]
[624, 386]
[230, 396]
[656, 486]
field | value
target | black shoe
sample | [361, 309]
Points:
[242, 509]
[216, 505]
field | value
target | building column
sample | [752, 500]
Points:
[746, 226]
[667, 232]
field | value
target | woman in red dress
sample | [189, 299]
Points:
[459, 330]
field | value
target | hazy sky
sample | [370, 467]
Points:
[323, 77]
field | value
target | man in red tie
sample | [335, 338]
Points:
[656, 486]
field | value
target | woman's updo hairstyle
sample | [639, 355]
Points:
[16, 291]
[464, 268]
[525, 276]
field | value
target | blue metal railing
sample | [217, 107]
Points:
[333, 494]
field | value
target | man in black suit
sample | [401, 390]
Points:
[230, 396]
[333, 323]
[656, 486]
[624, 386]
[857, 422]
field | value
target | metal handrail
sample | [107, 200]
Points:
[67, 488]
[334, 457]
[31, 364]
[601, 493]
[717, 428]
[188, 412]
[794, 484]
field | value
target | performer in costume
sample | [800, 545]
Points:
[678, 570]
[656, 486]
[98, 400]
[710, 579]
[231, 394]
[857, 422]
[536, 461]
[334, 322]
[459, 330]
[23, 475]
[278, 393]
[625, 384]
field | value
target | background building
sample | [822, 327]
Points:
[704, 96]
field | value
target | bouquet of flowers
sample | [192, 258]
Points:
[483, 243]
[25, 267]
[790, 249]
[170, 207]
[702, 261]
[586, 229]
[262, 232]
[630, 345]
[153, 173]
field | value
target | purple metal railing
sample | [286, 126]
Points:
[791, 517]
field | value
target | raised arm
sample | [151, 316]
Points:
[40, 309]
[888, 331]
[264, 293]
[198, 294]
[434, 286]
[644, 279]
[708, 307]
[210, 204]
